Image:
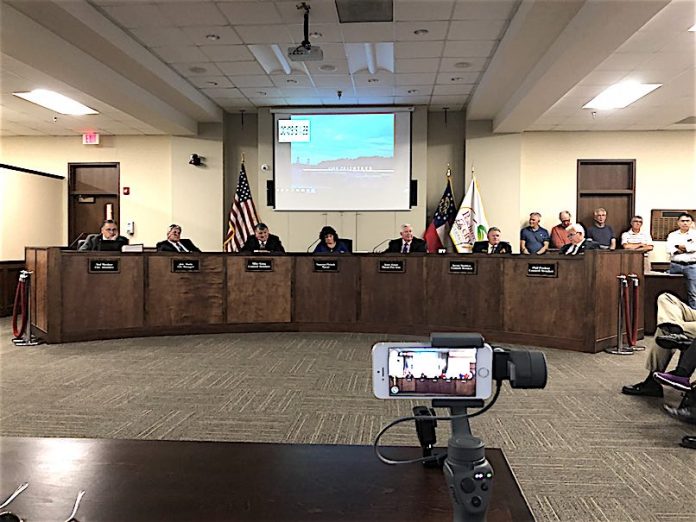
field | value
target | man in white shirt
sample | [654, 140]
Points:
[681, 246]
[635, 239]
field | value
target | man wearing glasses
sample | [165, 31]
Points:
[107, 239]
[175, 243]
[578, 244]
[681, 247]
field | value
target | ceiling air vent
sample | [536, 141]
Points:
[353, 11]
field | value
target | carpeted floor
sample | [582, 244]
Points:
[580, 450]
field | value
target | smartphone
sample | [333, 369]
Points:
[419, 371]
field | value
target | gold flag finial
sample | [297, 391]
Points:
[449, 171]
[242, 157]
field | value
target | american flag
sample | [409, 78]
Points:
[243, 217]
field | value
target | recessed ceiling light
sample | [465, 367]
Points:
[462, 65]
[290, 80]
[372, 80]
[412, 91]
[56, 102]
[211, 83]
[327, 67]
[420, 32]
[620, 95]
[213, 37]
[261, 93]
[315, 35]
[197, 69]
[456, 79]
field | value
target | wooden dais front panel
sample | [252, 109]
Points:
[187, 298]
[259, 297]
[102, 301]
[326, 297]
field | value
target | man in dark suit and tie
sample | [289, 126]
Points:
[578, 244]
[107, 239]
[175, 243]
[406, 243]
[494, 245]
[263, 240]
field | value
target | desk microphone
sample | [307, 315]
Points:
[379, 245]
[310, 247]
[74, 242]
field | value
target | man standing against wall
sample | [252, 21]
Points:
[559, 233]
[534, 239]
[600, 232]
[681, 247]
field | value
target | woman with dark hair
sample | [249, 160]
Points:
[330, 242]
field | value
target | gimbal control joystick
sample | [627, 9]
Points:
[468, 475]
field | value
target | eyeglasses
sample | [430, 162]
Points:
[8, 516]
[572, 234]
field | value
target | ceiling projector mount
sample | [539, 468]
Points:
[305, 52]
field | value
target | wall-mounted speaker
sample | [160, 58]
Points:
[413, 196]
[270, 193]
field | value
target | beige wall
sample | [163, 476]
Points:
[162, 188]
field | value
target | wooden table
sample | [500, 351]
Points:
[172, 481]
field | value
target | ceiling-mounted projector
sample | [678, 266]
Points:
[305, 52]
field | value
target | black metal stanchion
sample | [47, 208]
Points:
[621, 303]
[634, 284]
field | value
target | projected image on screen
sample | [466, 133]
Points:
[341, 162]
[431, 372]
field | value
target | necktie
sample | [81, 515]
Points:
[405, 249]
[490, 249]
[262, 244]
[177, 246]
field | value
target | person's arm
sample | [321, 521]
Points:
[523, 247]
[543, 249]
[612, 244]
[690, 243]
[671, 245]
[280, 249]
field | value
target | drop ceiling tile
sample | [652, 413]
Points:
[622, 62]
[646, 76]
[476, 30]
[459, 77]
[226, 53]
[446, 105]
[345, 100]
[239, 68]
[268, 102]
[416, 65]
[603, 78]
[383, 79]
[200, 35]
[321, 11]
[292, 81]
[303, 102]
[252, 81]
[187, 14]
[264, 34]
[469, 49]
[444, 99]
[643, 42]
[211, 81]
[376, 100]
[412, 100]
[341, 67]
[189, 70]
[137, 15]
[368, 32]
[250, 13]
[670, 60]
[419, 90]
[418, 49]
[261, 92]
[327, 93]
[404, 31]
[475, 65]
[414, 10]
[452, 90]
[334, 81]
[223, 93]
[484, 9]
[374, 91]
[414, 78]
[180, 54]
[330, 33]
[162, 36]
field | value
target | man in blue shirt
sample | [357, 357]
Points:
[600, 232]
[534, 239]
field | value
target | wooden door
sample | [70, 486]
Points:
[609, 184]
[93, 197]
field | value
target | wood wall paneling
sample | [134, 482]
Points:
[259, 297]
[607, 266]
[184, 298]
[9, 277]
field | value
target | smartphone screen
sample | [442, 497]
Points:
[432, 372]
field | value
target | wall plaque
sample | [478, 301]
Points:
[463, 267]
[186, 265]
[542, 270]
[325, 265]
[104, 266]
[395, 265]
[259, 265]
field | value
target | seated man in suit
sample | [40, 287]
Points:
[107, 239]
[406, 243]
[494, 245]
[262, 240]
[578, 243]
[174, 242]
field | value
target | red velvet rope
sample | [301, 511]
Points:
[20, 302]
